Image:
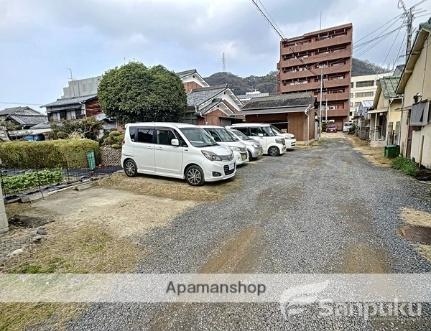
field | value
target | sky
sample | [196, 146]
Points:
[43, 41]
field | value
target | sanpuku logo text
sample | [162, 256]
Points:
[309, 299]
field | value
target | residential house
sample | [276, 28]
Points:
[415, 84]
[79, 100]
[22, 117]
[294, 113]
[191, 80]
[213, 105]
[386, 113]
[361, 119]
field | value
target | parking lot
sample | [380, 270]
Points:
[323, 209]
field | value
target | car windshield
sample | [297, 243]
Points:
[269, 131]
[276, 130]
[198, 137]
[241, 135]
[220, 134]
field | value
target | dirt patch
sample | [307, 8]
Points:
[417, 234]
[416, 217]
[361, 258]
[170, 188]
[235, 255]
[374, 155]
[92, 231]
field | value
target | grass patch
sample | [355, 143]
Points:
[406, 166]
[83, 249]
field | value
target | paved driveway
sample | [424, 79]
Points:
[319, 210]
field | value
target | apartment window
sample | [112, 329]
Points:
[365, 83]
[352, 95]
[364, 94]
[352, 85]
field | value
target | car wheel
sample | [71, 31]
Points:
[273, 151]
[250, 157]
[130, 168]
[194, 175]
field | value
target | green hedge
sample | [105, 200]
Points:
[31, 179]
[70, 153]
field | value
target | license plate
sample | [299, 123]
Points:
[231, 166]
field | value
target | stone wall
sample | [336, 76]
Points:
[110, 156]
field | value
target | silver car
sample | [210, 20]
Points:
[254, 147]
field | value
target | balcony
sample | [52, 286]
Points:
[316, 85]
[343, 39]
[343, 96]
[306, 73]
[344, 53]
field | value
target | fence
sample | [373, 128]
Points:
[18, 182]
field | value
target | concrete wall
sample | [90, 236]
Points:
[419, 82]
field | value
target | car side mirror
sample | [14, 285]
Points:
[175, 142]
[260, 134]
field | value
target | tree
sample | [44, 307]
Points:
[135, 93]
[87, 127]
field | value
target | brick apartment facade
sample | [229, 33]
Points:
[303, 58]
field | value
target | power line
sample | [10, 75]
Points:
[380, 27]
[392, 45]
[399, 51]
[364, 43]
[268, 19]
[20, 103]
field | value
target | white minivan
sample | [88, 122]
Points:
[288, 137]
[223, 137]
[175, 150]
[272, 144]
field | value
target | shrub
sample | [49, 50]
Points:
[114, 139]
[70, 153]
[405, 165]
[87, 127]
[31, 179]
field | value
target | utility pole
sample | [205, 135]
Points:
[409, 15]
[4, 226]
[320, 101]
[326, 109]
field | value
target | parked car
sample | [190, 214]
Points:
[254, 148]
[272, 144]
[223, 137]
[288, 137]
[331, 127]
[175, 150]
[347, 126]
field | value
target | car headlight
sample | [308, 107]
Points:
[279, 141]
[236, 149]
[256, 145]
[211, 156]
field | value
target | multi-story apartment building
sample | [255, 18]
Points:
[363, 88]
[327, 53]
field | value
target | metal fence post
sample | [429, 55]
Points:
[4, 225]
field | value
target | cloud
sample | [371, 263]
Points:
[43, 38]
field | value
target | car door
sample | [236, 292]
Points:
[258, 134]
[168, 158]
[142, 146]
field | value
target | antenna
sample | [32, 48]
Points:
[223, 60]
[70, 72]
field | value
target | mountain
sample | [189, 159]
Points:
[268, 83]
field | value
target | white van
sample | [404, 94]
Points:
[271, 143]
[175, 150]
[289, 138]
[254, 147]
[223, 137]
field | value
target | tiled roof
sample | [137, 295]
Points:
[389, 85]
[43, 125]
[28, 119]
[186, 72]
[200, 95]
[70, 101]
[280, 101]
[19, 111]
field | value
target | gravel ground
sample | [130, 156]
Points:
[319, 210]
